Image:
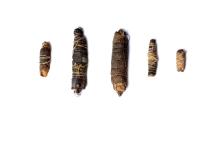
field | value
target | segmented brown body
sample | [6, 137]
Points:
[152, 58]
[79, 61]
[119, 63]
[45, 58]
[180, 60]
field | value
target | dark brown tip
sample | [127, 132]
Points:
[46, 44]
[181, 51]
[153, 41]
[78, 31]
[122, 32]
[78, 91]
[180, 70]
[119, 93]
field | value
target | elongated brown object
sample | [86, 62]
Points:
[152, 58]
[45, 58]
[79, 62]
[180, 60]
[119, 63]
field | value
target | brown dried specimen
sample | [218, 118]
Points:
[79, 62]
[152, 58]
[119, 63]
[45, 58]
[180, 60]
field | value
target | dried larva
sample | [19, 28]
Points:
[79, 61]
[180, 60]
[119, 63]
[45, 58]
[152, 58]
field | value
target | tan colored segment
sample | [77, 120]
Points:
[120, 88]
[180, 60]
[44, 72]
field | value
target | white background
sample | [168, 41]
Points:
[170, 110]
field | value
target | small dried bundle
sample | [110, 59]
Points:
[79, 61]
[152, 58]
[45, 58]
[180, 60]
[119, 63]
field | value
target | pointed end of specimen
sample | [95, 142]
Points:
[120, 93]
[77, 91]
[120, 88]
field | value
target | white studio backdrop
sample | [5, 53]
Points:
[170, 110]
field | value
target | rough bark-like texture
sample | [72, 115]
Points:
[119, 63]
[152, 58]
[180, 60]
[79, 62]
[45, 58]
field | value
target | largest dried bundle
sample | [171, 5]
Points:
[119, 63]
[79, 62]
